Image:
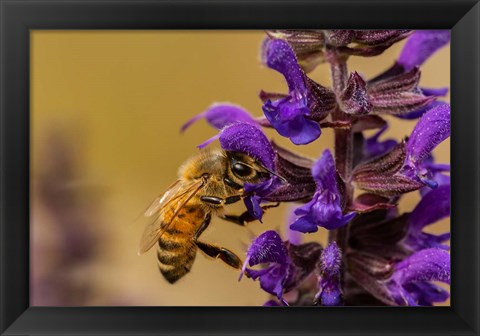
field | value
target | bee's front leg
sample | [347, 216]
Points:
[220, 201]
[245, 217]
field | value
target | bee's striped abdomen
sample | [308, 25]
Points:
[176, 247]
[174, 263]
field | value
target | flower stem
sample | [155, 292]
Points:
[343, 145]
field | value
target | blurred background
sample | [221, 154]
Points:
[106, 108]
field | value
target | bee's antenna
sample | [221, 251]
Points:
[283, 179]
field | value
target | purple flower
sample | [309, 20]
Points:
[286, 265]
[294, 237]
[434, 206]
[280, 274]
[387, 258]
[406, 167]
[418, 113]
[330, 293]
[220, 115]
[373, 147]
[437, 173]
[412, 275]
[291, 115]
[325, 208]
[432, 128]
[421, 45]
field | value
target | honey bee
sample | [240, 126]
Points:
[207, 182]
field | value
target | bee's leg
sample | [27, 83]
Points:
[214, 251]
[246, 217]
[218, 201]
[205, 224]
[221, 253]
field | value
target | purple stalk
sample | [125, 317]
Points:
[343, 146]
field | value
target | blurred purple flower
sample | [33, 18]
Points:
[420, 46]
[294, 237]
[418, 270]
[325, 208]
[373, 147]
[433, 207]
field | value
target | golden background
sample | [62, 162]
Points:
[106, 108]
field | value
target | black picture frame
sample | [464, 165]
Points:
[18, 17]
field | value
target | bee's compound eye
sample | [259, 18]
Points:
[241, 170]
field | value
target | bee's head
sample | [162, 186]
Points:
[245, 169]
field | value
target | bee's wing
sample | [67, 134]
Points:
[174, 199]
[165, 198]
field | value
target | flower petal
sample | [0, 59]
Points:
[330, 260]
[278, 55]
[325, 207]
[421, 45]
[307, 45]
[252, 203]
[289, 117]
[275, 281]
[418, 113]
[268, 247]
[433, 207]
[425, 293]
[294, 237]
[324, 173]
[440, 92]
[249, 139]
[220, 115]
[426, 265]
[374, 148]
[303, 224]
[304, 131]
[432, 128]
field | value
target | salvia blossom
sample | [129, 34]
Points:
[329, 293]
[220, 115]
[292, 114]
[376, 254]
[325, 207]
[287, 265]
